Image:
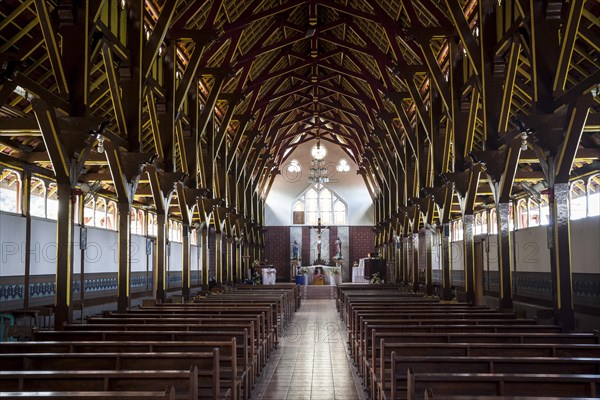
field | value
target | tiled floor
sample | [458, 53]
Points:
[311, 361]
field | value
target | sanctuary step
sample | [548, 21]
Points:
[318, 292]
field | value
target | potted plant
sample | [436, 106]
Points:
[376, 279]
[334, 272]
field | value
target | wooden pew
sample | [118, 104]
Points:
[562, 385]
[429, 395]
[185, 383]
[482, 365]
[168, 394]
[207, 366]
[244, 342]
[231, 368]
[255, 345]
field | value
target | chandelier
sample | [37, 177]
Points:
[317, 172]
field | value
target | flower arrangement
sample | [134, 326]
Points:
[304, 270]
[256, 278]
[335, 271]
[376, 279]
[256, 263]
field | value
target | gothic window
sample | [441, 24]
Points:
[37, 199]
[10, 191]
[578, 200]
[593, 193]
[522, 215]
[319, 202]
[493, 222]
[52, 201]
[298, 213]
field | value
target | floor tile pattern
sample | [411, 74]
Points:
[311, 362]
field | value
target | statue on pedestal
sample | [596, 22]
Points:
[338, 248]
[295, 250]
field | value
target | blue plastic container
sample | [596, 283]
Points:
[299, 280]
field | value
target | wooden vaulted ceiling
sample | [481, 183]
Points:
[383, 79]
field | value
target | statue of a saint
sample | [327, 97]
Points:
[338, 248]
[295, 250]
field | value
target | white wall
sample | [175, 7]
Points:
[101, 254]
[176, 257]
[348, 185]
[585, 240]
[12, 245]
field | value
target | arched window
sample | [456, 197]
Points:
[533, 212]
[52, 201]
[152, 227]
[312, 207]
[478, 223]
[593, 192]
[37, 199]
[325, 199]
[111, 216]
[140, 221]
[133, 222]
[512, 217]
[88, 211]
[522, 214]
[484, 221]
[544, 210]
[298, 213]
[319, 202]
[578, 200]
[10, 190]
[339, 210]
[493, 222]
[100, 213]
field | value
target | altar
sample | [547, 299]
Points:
[269, 276]
[333, 275]
[358, 273]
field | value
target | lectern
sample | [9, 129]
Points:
[373, 265]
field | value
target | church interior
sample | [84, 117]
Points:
[300, 199]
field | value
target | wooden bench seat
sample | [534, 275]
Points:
[168, 394]
[562, 385]
[157, 338]
[396, 375]
[256, 341]
[232, 367]
[185, 383]
[210, 384]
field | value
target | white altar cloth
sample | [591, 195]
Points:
[358, 273]
[330, 277]
[269, 276]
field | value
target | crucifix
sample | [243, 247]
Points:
[319, 228]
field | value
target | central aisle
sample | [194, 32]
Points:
[311, 362]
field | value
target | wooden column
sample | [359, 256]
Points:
[64, 256]
[469, 256]
[560, 256]
[187, 264]
[445, 261]
[161, 256]
[124, 259]
[204, 257]
[505, 259]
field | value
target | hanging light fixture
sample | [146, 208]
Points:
[318, 171]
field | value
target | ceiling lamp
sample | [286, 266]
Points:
[318, 152]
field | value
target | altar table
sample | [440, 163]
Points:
[269, 276]
[358, 273]
[330, 277]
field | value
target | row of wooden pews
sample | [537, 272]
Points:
[407, 346]
[212, 348]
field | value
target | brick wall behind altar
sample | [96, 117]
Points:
[277, 250]
[278, 245]
[361, 242]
